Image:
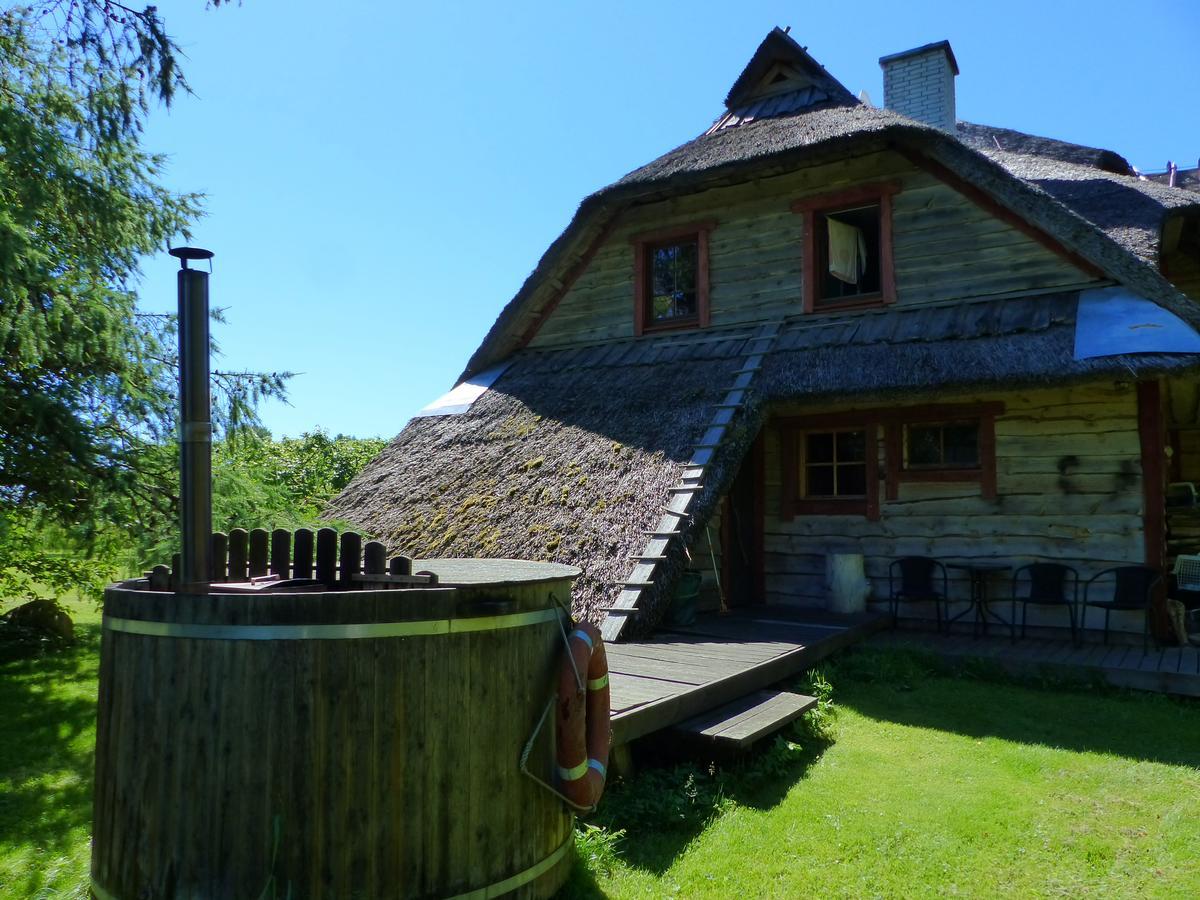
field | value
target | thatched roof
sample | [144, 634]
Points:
[1014, 342]
[567, 458]
[989, 137]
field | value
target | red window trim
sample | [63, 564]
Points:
[984, 474]
[698, 230]
[811, 207]
[891, 420]
[792, 504]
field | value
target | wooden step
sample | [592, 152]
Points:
[740, 723]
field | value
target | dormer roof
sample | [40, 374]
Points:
[780, 79]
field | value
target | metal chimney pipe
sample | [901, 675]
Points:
[195, 418]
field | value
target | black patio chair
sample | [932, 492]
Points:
[1047, 584]
[917, 583]
[1133, 590]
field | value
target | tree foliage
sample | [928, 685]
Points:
[88, 383]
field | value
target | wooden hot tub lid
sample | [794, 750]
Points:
[456, 572]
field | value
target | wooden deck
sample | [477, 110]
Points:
[1173, 670]
[685, 671]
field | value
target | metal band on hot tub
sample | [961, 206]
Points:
[354, 631]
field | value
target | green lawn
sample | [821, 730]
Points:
[938, 784]
[47, 731]
[930, 783]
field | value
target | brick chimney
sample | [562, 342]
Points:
[919, 83]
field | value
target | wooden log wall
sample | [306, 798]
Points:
[1069, 489]
[332, 559]
[945, 247]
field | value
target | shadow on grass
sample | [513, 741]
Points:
[648, 820]
[47, 711]
[921, 690]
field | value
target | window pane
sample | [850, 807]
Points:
[962, 444]
[820, 481]
[924, 445]
[818, 448]
[852, 481]
[673, 280]
[851, 446]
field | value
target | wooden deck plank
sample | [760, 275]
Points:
[633, 722]
[1150, 660]
[758, 631]
[629, 691]
[1170, 660]
[669, 670]
[750, 652]
[1174, 670]
[1189, 661]
[744, 721]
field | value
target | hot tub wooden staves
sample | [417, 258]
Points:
[340, 744]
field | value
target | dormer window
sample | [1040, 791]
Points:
[671, 279]
[848, 248]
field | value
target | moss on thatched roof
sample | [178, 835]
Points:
[567, 458]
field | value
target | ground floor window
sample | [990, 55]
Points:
[941, 445]
[831, 469]
[835, 464]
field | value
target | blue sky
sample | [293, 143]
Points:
[381, 177]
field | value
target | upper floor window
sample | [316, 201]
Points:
[671, 270]
[671, 279]
[848, 248]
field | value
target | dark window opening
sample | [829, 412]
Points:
[834, 464]
[949, 445]
[672, 294]
[848, 249]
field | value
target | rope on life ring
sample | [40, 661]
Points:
[583, 718]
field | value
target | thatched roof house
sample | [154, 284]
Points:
[636, 430]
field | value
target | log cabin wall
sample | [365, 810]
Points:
[1068, 484]
[945, 247]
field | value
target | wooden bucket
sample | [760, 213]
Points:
[354, 744]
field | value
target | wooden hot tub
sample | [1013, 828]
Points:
[363, 743]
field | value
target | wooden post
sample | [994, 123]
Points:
[327, 556]
[258, 552]
[374, 558]
[1153, 439]
[239, 554]
[281, 553]
[218, 557]
[351, 556]
[302, 554]
[400, 565]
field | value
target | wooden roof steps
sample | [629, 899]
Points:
[691, 483]
[739, 724]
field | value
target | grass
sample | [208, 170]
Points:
[937, 783]
[926, 782]
[47, 733]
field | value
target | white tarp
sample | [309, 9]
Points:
[1112, 321]
[464, 394]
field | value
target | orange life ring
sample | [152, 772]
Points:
[583, 718]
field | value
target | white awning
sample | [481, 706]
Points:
[464, 394]
[1114, 321]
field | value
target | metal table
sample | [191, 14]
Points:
[979, 573]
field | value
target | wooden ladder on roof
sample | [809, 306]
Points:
[676, 511]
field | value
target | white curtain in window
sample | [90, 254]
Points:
[847, 251]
